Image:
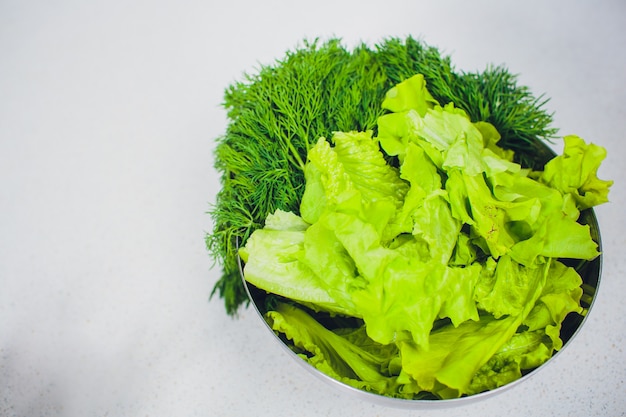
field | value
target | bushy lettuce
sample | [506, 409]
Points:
[442, 248]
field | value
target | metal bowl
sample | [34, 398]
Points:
[589, 271]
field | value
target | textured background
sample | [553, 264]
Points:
[108, 112]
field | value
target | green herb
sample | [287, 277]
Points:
[278, 113]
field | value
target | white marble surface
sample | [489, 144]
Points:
[108, 111]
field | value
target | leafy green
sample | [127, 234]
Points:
[455, 355]
[448, 260]
[575, 172]
[277, 114]
[275, 266]
[530, 348]
[352, 169]
[350, 357]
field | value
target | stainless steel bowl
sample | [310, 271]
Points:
[590, 273]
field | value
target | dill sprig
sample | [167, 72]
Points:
[276, 114]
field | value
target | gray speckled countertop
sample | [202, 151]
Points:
[108, 111]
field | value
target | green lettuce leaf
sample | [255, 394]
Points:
[455, 354]
[351, 358]
[273, 262]
[507, 291]
[575, 172]
[410, 94]
[539, 336]
[560, 296]
[558, 236]
[405, 299]
[491, 137]
[426, 212]
[523, 351]
[433, 238]
[342, 176]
